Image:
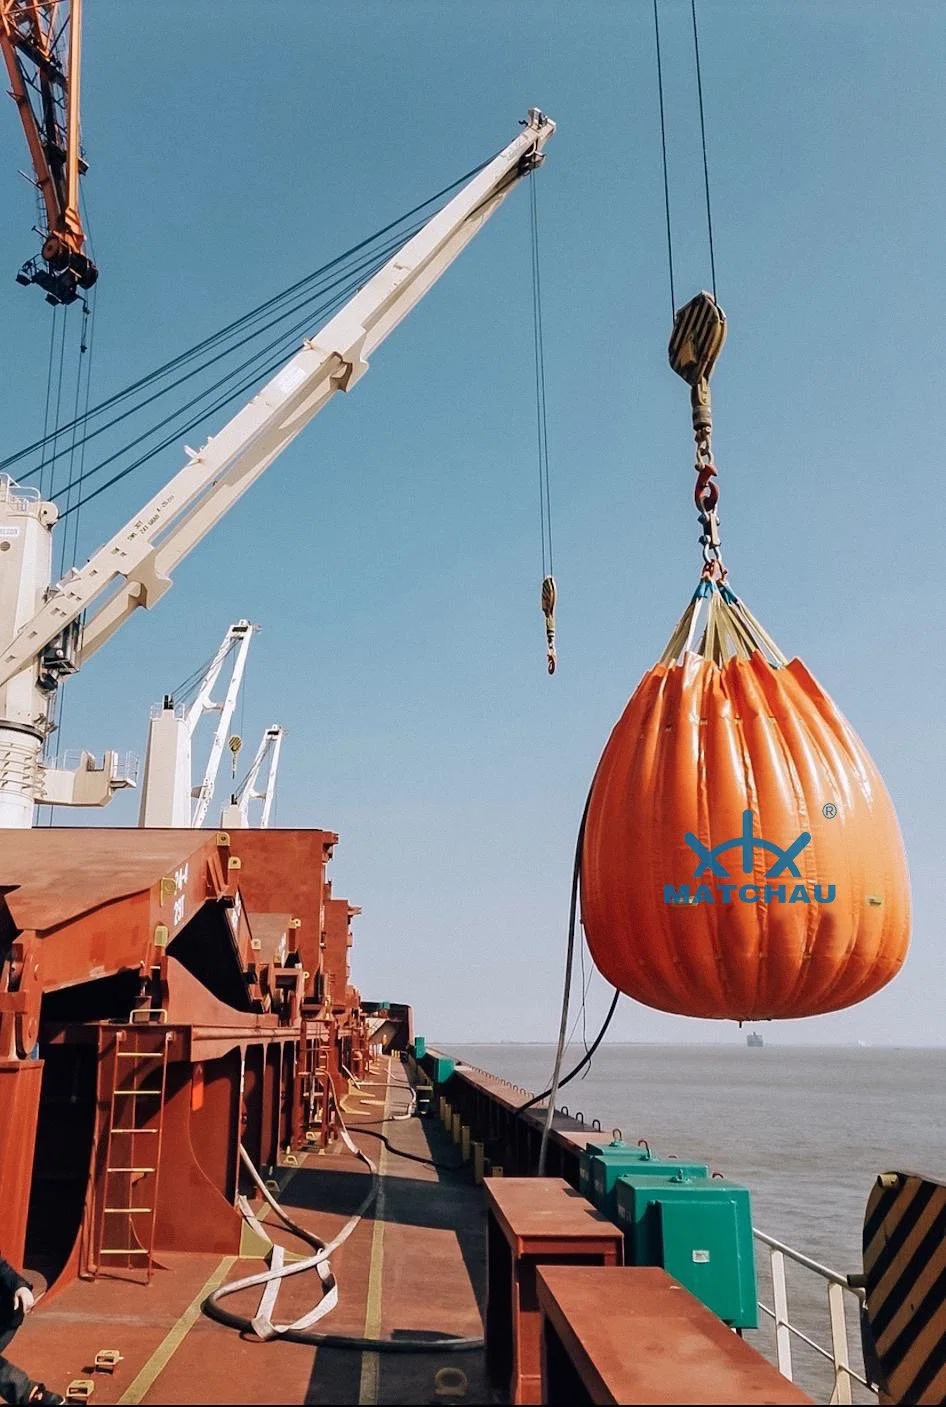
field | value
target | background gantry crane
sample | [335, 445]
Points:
[41, 41]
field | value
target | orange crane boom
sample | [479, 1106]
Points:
[41, 42]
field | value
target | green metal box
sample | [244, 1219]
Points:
[700, 1230]
[615, 1148]
[438, 1067]
[420, 1047]
[607, 1168]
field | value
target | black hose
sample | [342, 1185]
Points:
[569, 964]
[585, 1060]
[400, 1153]
[213, 1309]
[406, 1345]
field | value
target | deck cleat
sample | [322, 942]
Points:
[107, 1360]
[79, 1390]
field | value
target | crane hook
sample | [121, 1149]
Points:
[548, 610]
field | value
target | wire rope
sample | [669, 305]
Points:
[229, 351]
[284, 343]
[42, 490]
[545, 503]
[585, 982]
[245, 319]
[189, 684]
[57, 705]
[706, 180]
[57, 428]
[569, 963]
[583, 1062]
[86, 347]
[71, 452]
[49, 387]
[663, 147]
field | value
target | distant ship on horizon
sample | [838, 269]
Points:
[754, 1040]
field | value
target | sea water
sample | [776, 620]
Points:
[807, 1129]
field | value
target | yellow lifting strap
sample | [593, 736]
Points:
[548, 610]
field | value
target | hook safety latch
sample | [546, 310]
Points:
[548, 610]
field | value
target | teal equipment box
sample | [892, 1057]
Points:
[617, 1148]
[608, 1167]
[620, 1151]
[438, 1068]
[700, 1230]
[420, 1047]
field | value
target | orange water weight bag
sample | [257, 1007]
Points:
[741, 855]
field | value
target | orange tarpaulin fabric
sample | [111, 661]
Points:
[741, 855]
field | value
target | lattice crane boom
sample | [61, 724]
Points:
[41, 42]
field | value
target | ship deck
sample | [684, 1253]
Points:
[414, 1266]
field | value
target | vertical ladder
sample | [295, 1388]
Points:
[133, 1147]
[316, 1094]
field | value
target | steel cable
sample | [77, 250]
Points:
[569, 963]
[545, 506]
[49, 388]
[231, 329]
[220, 356]
[706, 181]
[663, 148]
[283, 343]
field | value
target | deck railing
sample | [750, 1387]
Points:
[487, 1104]
[837, 1286]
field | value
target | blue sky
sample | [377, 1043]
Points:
[392, 555]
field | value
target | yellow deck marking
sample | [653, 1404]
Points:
[176, 1336]
[369, 1391]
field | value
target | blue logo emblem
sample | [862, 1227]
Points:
[747, 842]
[783, 863]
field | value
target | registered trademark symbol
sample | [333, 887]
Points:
[829, 810]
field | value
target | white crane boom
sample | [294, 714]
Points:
[168, 797]
[175, 520]
[268, 794]
[236, 816]
[242, 633]
[136, 563]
